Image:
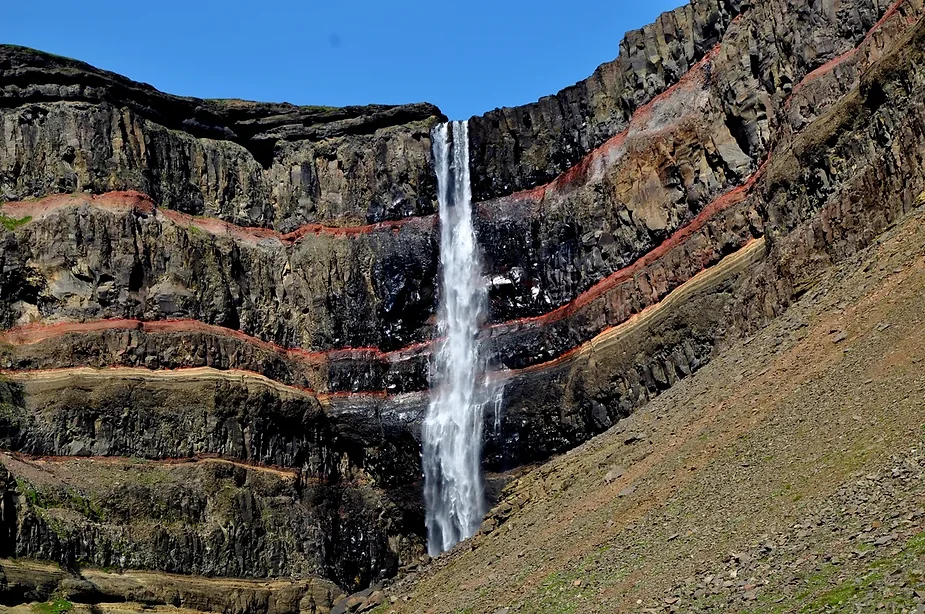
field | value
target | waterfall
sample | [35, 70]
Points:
[452, 434]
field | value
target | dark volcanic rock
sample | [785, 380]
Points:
[347, 506]
[825, 196]
[326, 290]
[28, 580]
[206, 518]
[69, 127]
[664, 162]
[518, 148]
[190, 413]
[632, 226]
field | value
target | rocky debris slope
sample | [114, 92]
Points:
[875, 562]
[786, 475]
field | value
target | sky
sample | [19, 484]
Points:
[465, 57]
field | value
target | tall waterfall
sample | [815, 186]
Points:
[452, 434]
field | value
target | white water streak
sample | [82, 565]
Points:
[454, 490]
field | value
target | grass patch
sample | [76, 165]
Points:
[920, 199]
[864, 548]
[817, 580]
[842, 594]
[833, 598]
[820, 595]
[12, 223]
[557, 594]
[31, 494]
[153, 476]
[916, 545]
[61, 499]
[56, 606]
[10, 418]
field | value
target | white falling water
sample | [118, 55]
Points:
[452, 435]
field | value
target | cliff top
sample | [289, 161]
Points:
[28, 75]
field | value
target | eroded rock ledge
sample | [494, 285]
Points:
[70, 127]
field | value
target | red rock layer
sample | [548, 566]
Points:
[136, 202]
[143, 205]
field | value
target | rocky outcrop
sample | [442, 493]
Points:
[69, 127]
[183, 343]
[822, 197]
[775, 44]
[129, 259]
[322, 489]
[672, 157]
[251, 307]
[519, 148]
[25, 581]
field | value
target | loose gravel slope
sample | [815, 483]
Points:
[787, 476]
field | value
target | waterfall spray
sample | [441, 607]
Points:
[452, 435]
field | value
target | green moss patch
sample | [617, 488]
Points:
[12, 223]
[59, 499]
[56, 606]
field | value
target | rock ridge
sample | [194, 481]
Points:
[73, 128]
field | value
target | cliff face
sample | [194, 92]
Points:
[519, 148]
[252, 242]
[794, 184]
[69, 127]
[240, 296]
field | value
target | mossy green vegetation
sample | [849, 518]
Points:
[59, 499]
[56, 606]
[26, 490]
[844, 596]
[568, 591]
[12, 223]
[832, 588]
[558, 593]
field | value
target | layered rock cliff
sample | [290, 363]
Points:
[230, 304]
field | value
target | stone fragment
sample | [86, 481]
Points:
[614, 474]
[632, 438]
[627, 491]
[886, 539]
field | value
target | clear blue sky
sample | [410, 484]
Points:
[466, 57]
